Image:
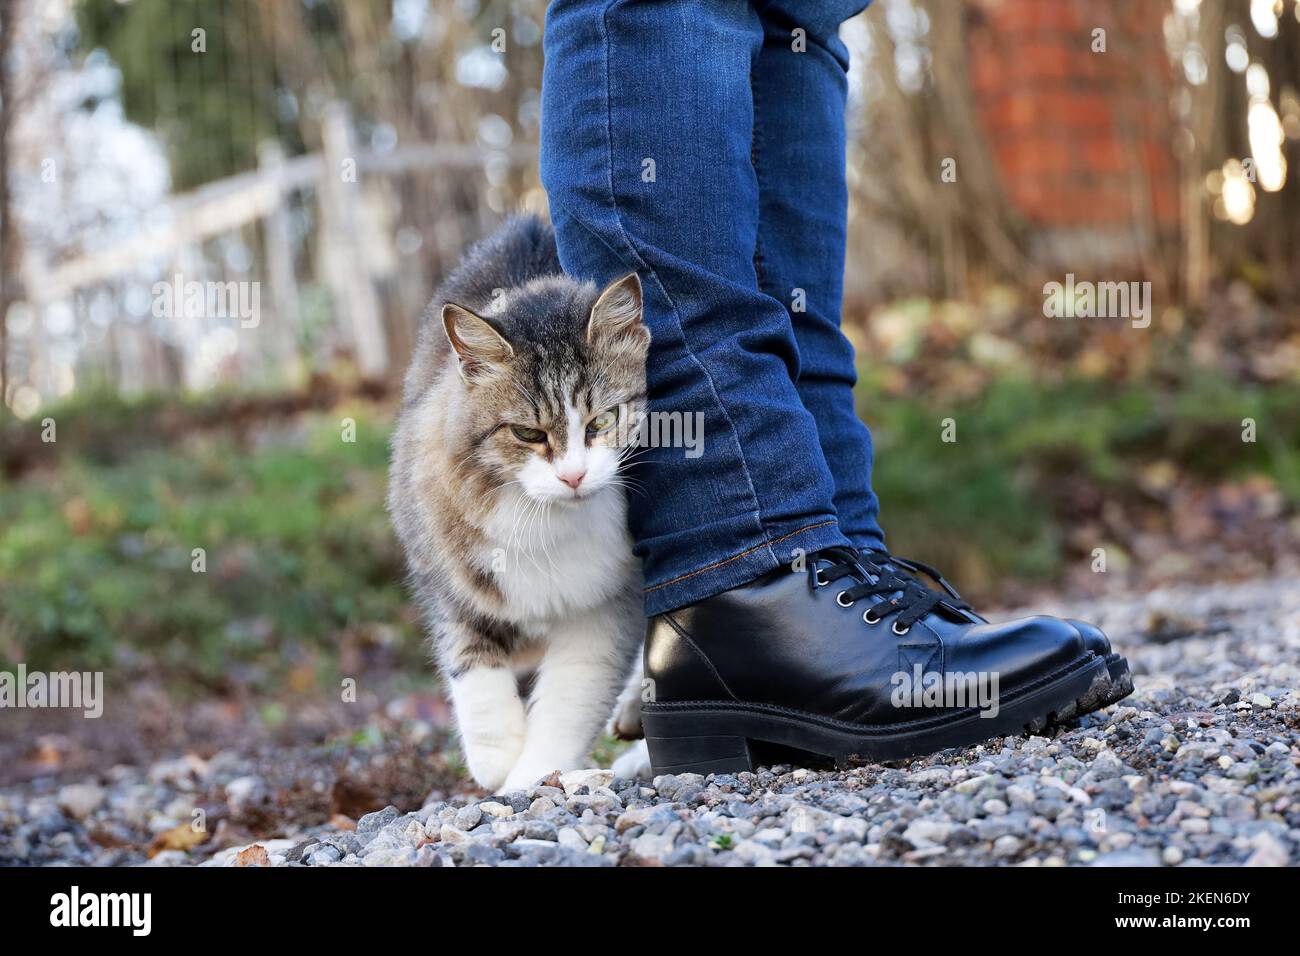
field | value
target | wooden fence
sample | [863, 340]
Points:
[262, 196]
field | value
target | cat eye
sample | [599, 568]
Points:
[603, 421]
[532, 435]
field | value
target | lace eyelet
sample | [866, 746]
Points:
[820, 579]
[839, 599]
[894, 627]
[868, 619]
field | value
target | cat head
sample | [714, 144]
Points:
[554, 383]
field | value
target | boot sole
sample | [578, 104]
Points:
[1117, 685]
[1121, 681]
[728, 736]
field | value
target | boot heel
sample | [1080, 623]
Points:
[698, 754]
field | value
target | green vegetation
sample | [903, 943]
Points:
[996, 502]
[197, 89]
[96, 557]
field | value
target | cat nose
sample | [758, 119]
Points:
[572, 479]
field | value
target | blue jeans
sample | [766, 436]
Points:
[692, 142]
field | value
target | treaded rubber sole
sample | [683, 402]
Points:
[1117, 686]
[1121, 681]
[720, 736]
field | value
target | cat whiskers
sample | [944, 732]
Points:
[522, 540]
[631, 484]
[520, 515]
[633, 457]
[528, 515]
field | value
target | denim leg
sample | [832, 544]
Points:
[798, 156]
[647, 124]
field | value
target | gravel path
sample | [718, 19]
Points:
[1200, 766]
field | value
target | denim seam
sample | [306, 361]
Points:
[736, 557]
[754, 137]
[757, 512]
[755, 144]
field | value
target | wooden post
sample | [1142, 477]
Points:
[350, 273]
[279, 264]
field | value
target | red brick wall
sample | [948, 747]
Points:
[1083, 140]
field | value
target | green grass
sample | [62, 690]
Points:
[992, 502]
[96, 558]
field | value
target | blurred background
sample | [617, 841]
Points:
[191, 491]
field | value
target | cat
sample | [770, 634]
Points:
[507, 494]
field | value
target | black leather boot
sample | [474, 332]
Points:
[1119, 683]
[850, 664]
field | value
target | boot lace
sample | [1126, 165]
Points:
[896, 592]
[876, 557]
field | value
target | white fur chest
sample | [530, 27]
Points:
[553, 561]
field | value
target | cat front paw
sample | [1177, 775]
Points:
[633, 763]
[490, 761]
[625, 723]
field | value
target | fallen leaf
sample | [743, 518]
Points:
[180, 837]
[254, 855]
[107, 838]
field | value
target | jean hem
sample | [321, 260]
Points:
[873, 541]
[742, 567]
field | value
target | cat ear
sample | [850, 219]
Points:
[617, 312]
[478, 345]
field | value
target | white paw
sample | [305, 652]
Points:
[490, 760]
[492, 723]
[633, 763]
[625, 723]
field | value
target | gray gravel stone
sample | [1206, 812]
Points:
[1199, 767]
[467, 818]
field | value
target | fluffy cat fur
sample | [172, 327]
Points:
[518, 551]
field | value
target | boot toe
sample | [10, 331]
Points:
[1094, 638]
[1019, 652]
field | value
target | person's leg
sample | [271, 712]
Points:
[799, 85]
[647, 126]
[647, 131]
